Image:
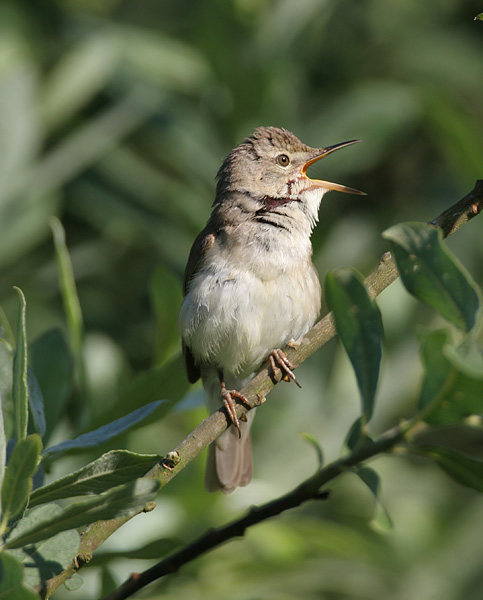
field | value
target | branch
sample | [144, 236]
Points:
[261, 385]
[307, 490]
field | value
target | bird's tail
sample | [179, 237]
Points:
[229, 456]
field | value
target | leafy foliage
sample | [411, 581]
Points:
[114, 120]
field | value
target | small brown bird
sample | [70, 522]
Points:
[250, 286]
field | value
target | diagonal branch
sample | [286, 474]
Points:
[259, 387]
[310, 489]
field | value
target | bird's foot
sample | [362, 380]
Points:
[278, 359]
[230, 404]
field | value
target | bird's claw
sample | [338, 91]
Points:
[230, 405]
[278, 359]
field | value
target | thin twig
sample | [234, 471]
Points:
[260, 386]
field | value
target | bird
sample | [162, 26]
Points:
[250, 287]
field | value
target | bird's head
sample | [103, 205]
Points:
[270, 168]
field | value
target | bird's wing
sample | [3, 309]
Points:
[202, 244]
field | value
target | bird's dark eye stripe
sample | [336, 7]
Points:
[283, 160]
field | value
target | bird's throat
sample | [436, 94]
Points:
[271, 202]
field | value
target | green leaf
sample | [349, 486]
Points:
[18, 477]
[358, 435]
[36, 403]
[166, 296]
[51, 361]
[461, 467]
[74, 582]
[20, 387]
[11, 580]
[50, 557]
[123, 500]
[70, 299]
[308, 437]
[106, 432]
[452, 388]
[479, 17]
[431, 273]
[359, 326]
[373, 482]
[111, 469]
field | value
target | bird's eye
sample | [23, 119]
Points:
[283, 160]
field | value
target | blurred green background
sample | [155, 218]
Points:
[115, 116]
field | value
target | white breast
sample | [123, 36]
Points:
[233, 316]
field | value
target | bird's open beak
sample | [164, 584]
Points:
[327, 184]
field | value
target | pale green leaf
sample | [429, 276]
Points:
[312, 440]
[124, 500]
[18, 477]
[69, 291]
[11, 580]
[373, 482]
[110, 470]
[49, 557]
[20, 386]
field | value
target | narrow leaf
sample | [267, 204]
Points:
[461, 467]
[50, 557]
[68, 287]
[312, 440]
[36, 403]
[120, 501]
[11, 580]
[20, 387]
[451, 390]
[106, 432]
[111, 469]
[359, 326]
[432, 273]
[372, 481]
[71, 303]
[18, 477]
